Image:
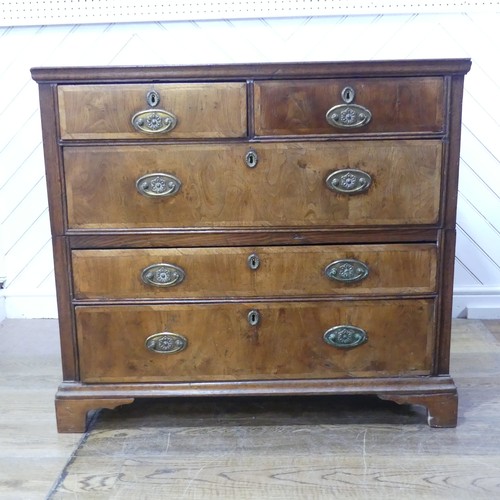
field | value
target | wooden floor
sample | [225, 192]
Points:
[33, 455]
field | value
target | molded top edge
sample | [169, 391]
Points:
[253, 71]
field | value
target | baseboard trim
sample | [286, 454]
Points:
[3, 314]
[28, 304]
[472, 302]
[476, 302]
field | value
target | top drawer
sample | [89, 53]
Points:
[374, 105]
[177, 111]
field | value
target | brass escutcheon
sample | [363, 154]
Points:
[347, 270]
[253, 317]
[166, 343]
[153, 98]
[251, 159]
[162, 275]
[154, 121]
[349, 181]
[253, 261]
[345, 336]
[158, 184]
[348, 115]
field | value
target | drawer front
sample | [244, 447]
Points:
[293, 184]
[255, 271]
[199, 110]
[217, 341]
[375, 105]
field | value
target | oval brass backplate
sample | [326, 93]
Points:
[348, 116]
[349, 181]
[154, 121]
[345, 336]
[166, 343]
[158, 184]
[162, 275]
[347, 270]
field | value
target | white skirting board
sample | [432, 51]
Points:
[476, 302]
[468, 302]
[28, 304]
[2, 309]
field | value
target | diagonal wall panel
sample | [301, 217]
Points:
[24, 229]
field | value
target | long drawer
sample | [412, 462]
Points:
[300, 184]
[255, 271]
[350, 106]
[244, 341]
[195, 110]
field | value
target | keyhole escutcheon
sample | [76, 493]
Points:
[153, 98]
[253, 317]
[348, 95]
[253, 261]
[251, 159]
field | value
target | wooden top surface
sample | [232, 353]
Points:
[252, 71]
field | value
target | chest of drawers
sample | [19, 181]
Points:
[272, 229]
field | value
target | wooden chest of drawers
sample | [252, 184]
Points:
[271, 229]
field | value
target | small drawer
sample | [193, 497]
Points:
[255, 341]
[349, 106]
[295, 184]
[165, 111]
[255, 271]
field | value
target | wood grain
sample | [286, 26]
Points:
[105, 111]
[287, 188]
[32, 453]
[268, 71]
[217, 237]
[398, 105]
[287, 342]
[283, 271]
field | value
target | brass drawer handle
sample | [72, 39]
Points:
[345, 336]
[154, 121]
[349, 181]
[162, 275]
[166, 343]
[347, 270]
[158, 185]
[348, 115]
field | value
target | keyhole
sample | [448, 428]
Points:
[348, 95]
[251, 159]
[153, 98]
[253, 317]
[253, 261]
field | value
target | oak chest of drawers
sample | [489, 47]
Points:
[272, 229]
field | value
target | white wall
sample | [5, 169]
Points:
[24, 223]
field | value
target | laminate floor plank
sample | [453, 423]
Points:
[32, 453]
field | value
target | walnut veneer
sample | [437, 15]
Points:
[263, 229]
